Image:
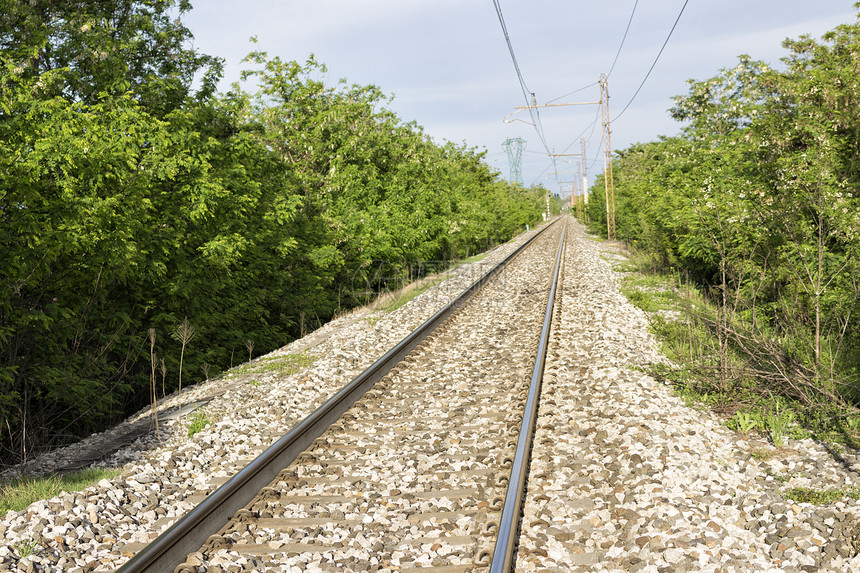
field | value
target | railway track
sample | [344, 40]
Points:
[419, 462]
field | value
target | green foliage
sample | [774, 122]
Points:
[757, 205]
[106, 47]
[27, 548]
[649, 301]
[778, 425]
[197, 422]
[820, 496]
[17, 494]
[129, 203]
[745, 422]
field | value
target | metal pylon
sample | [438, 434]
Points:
[514, 146]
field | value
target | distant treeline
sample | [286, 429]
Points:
[131, 201]
[758, 203]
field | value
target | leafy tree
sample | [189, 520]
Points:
[111, 47]
[757, 201]
[127, 206]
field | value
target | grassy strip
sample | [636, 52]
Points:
[474, 258]
[683, 319]
[389, 302]
[17, 494]
[285, 365]
[820, 496]
[408, 293]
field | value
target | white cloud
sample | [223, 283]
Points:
[448, 66]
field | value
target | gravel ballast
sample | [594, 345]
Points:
[251, 406]
[624, 476]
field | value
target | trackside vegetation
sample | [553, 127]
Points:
[753, 212]
[134, 199]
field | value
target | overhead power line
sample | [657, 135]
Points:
[573, 92]
[597, 115]
[522, 80]
[528, 95]
[655, 61]
[618, 53]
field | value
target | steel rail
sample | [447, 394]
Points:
[506, 542]
[191, 532]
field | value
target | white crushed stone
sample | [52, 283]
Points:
[625, 477]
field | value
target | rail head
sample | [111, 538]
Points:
[506, 542]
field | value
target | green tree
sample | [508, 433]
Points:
[111, 47]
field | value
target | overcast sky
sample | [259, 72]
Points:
[448, 67]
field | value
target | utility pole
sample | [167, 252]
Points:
[573, 203]
[604, 105]
[607, 160]
[574, 183]
[584, 172]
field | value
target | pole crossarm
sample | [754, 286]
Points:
[556, 105]
[506, 120]
[536, 106]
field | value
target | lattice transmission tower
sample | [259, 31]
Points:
[514, 146]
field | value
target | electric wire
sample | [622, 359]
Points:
[618, 53]
[590, 126]
[533, 111]
[611, 68]
[573, 92]
[655, 61]
[530, 103]
[522, 81]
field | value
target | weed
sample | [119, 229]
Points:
[474, 258]
[372, 320]
[283, 364]
[648, 295]
[410, 293]
[198, 421]
[717, 364]
[778, 425]
[26, 548]
[746, 422]
[777, 477]
[184, 333]
[625, 267]
[153, 394]
[18, 493]
[761, 454]
[820, 496]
